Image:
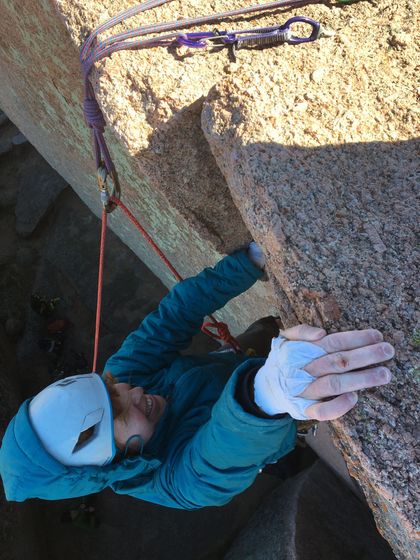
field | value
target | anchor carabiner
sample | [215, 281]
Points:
[277, 34]
[256, 37]
[315, 34]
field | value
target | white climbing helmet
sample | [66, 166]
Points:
[65, 409]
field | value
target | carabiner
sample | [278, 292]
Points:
[294, 40]
[194, 40]
[269, 36]
[102, 177]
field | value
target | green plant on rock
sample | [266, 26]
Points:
[415, 339]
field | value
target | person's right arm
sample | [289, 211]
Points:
[311, 375]
[211, 465]
[221, 459]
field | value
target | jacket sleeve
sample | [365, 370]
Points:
[169, 329]
[222, 458]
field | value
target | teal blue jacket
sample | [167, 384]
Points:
[206, 448]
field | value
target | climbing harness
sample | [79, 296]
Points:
[94, 50]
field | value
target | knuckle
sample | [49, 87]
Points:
[328, 344]
[340, 361]
[333, 343]
[334, 384]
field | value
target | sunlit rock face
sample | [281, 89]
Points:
[151, 101]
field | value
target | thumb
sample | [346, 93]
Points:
[303, 332]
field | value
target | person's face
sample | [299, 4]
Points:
[135, 413]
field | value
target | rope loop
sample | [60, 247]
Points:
[223, 333]
[93, 114]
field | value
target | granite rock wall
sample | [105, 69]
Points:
[321, 157]
[169, 177]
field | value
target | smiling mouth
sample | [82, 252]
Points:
[149, 405]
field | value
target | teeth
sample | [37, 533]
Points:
[149, 404]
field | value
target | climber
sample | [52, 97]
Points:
[186, 431]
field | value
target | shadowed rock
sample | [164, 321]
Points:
[312, 516]
[39, 186]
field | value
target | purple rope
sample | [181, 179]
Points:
[93, 50]
[93, 114]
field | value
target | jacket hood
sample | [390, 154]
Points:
[29, 471]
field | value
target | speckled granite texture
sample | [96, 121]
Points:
[325, 174]
[169, 177]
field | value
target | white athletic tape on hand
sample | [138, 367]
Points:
[282, 378]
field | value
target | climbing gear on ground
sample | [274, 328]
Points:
[50, 345]
[43, 305]
[94, 50]
[59, 425]
[83, 516]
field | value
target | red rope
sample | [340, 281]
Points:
[223, 332]
[147, 237]
[99, 297]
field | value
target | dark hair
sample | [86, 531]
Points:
[110, 381]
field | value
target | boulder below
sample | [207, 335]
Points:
[312, 516]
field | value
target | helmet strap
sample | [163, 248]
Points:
[130, 439]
